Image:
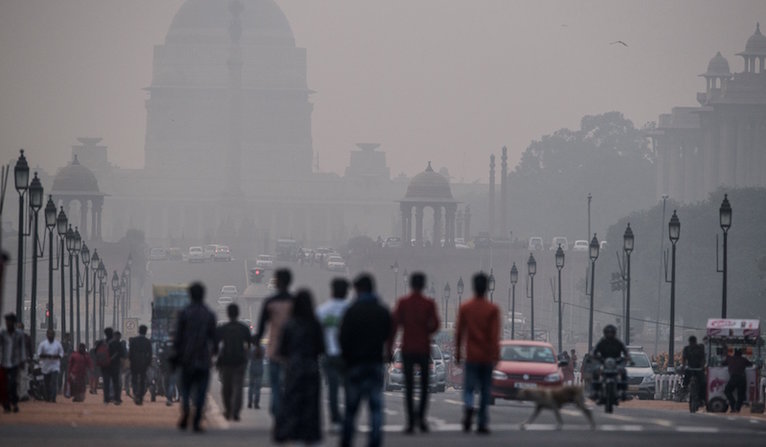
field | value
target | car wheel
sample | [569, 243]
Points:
[717, 405]
[442, 388]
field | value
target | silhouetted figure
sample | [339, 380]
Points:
[233, 339]
[255, 373]
[275, 312]
[364, 331]
[50, 352]
[301, 345]
[417, 317]
[194, 345]
[478, 326]
[79, 365]
[117, 352]
[330, 315]
[737, 379]
[13, 350]
[103, 360]
[140, 349]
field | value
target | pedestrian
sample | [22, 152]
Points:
[194, 345]
[275, 311]
[117, 353]
[301, 345]
[419, 320]
[104, 361]
[94, 373]
[737, 365]
[168, 371]
[255, 373]
[23, 379]
[233, 339]
[478, 325]
[13, 355]
[140, 354]
[573, 359]
[568, 368]
[330, 314]
[66, 343]
[50, 352]
[364, 332]
[79, 365]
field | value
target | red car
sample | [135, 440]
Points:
[525, 364]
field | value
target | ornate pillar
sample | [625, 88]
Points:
[459, 224]
[450, 239]
[492, 195]
[418, 225]
[93, 220]
[504, 192]
[437, 234]
[725, 171]
[709, 163]
[467, 224]
[404, 208]
[740, 176]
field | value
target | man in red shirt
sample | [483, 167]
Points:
[419, 320]
[478, 325]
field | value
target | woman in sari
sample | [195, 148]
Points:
[79, 365]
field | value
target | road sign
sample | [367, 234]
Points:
[130, 328]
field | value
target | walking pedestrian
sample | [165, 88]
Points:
[274, 313]
[478, 325]
[114, 370]
[23, 379]
[50, 352]
[104, 361]
[140, 354]
[301, 345]
[737, 365]
[364, 332]
[167, 369]
[13, 356]
[255, 373]
[419, 320]
[79, 365]
[330, 314]
[194, 345]
[233, 339]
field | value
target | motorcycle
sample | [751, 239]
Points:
[36, 382]
[610, 383]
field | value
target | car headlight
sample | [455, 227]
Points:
[554, 377]
[499, 375]
[649, 378]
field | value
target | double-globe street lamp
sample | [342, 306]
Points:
[70, 250]
[491, 285]
[115, 292]
[460, 288]
[61, 228]
[559, 266]
[50, 224]
[35, 203]
[514, 280]
[101, 273]
[674, 233]
[76, 247]
[627, 246]
[531, 271]
[124, 296]
[593, 250]
[85, 256]
[446, 303]
[724, 216]
[21, 182]
[95, 259]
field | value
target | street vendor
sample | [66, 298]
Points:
[737, 365]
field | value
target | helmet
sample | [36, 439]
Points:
[610, 329]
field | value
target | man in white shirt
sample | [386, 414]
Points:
[50, 352]
[329, 315]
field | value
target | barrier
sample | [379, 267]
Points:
[665, 384]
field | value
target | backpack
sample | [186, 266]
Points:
[103, 359]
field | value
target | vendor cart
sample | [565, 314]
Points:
[722, 337]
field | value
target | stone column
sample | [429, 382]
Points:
[725, 154]
[450, 224]
[467, 224]
[709, 163]
[491, 195]
[504, 192]
[405, 210]
[418, 225]
[740, 175]
[459, 223]
[437, 234]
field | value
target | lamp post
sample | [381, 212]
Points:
[35, 203]
[85, 256]
[101, 273]
[50, 224]
[593, 253]
[559, 266]
[405, 278]
[532, 270]
[115, 289]
[674, 232]
[724, 216]
[460, 288]
[627, 246]
[446, 303]
[124, 295]
[491, 285]
[61, 228]
[432, 291]
[514, 280]
[21, 181]
[395, 268]
[76, 247]
[129, 269]
[70, 249]
[95, 259]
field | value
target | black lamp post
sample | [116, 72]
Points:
[61, 228]
[446, 303]
[432, 291]
[76, 247]
[50, 224]
[101, 273]
[724, 216]
[559, 266]
[70, 249]
[95, 259]
[460, 288]
[674, 232]
[124, 295]
[532, 270]
[491, 286]
[35, 203]
[85, 256]
[593, 253]
[21, 180]
[514, 280]
[627, 246]
[115, 290]
[129, 269]
[395, 268]
[405, 278]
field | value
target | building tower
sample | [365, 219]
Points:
[492, 195]
[504, 192]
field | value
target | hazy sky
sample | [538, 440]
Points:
[442, 80]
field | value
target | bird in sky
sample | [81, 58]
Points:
[618, 42]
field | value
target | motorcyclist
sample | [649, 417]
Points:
[610, 347]
[694, 357]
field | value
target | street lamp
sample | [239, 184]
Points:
[446, 303]
[115, 289]
[35, 203]
[491, 286]
[432, 291]
[559, 266]
[593, 253]
[724, 216]
[532, 270]
[101, 271]
[76, 247]
[50, 223]
[514, 280]
[124, 297]
[674, 232]
[405, 278]
[21, 180]
[627, 246]
[61, 228]
[95, 259]
[460, 288]
[70, 249]
[395, 268]
[85, 256]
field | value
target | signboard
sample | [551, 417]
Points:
[129, 328]
[726, 327]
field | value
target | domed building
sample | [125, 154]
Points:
[429, 189]
[75, 187]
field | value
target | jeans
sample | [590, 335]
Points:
[478, 375]
[275, 380]
[51, 385]
[410, 361]
[138, 382]
[112, 385]
[196, 380]
[736, 383]
[254, 390]
[170, 385]
[232, 378]
[332, 366]
[364, 381]
[11, 374]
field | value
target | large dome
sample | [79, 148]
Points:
[75, 177]
[429, 185]
[756, 44]
[208, 22]
[718, 66]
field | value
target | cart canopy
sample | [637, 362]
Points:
[731, 328]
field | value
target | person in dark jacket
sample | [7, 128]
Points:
[194, 345]
[737, 379]
[117, 352]
[140, 349]
[364, 331]
[233, 339]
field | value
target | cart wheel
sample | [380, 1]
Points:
[717, 405]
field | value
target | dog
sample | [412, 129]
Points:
[553, 399]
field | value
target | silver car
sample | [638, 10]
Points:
[640, 375]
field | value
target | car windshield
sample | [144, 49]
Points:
[335, 259]
[639, 360]
[264, 257]
[521, 353]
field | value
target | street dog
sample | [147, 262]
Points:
[553, 399]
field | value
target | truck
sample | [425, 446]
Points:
[167, 301]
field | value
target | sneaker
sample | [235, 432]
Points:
[483, 430]
[249, 405]
[423, 427]
[467, 419]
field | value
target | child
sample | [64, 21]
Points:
[256, 377]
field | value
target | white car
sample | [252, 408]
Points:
[210, 251]
[580, 245]
[535, 243]
[229, 291]
[224, 301]
[336, 263]
[196, 254]
[264, 261]
[559, 240]
[157, 254]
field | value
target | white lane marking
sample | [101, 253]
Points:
[697, 429]
[608, 427]
[390, 412]
[453, 402]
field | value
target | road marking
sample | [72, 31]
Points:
[390, 412]
[453, 402]
[697, 429]
[608, 427]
